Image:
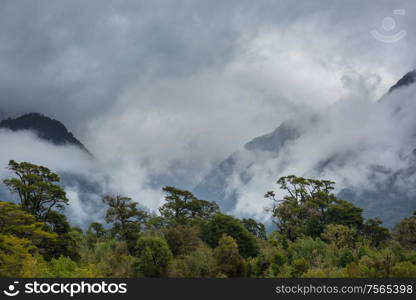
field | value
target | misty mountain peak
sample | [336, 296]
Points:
[406, 80]
[215, 184]
[46, 128]
[274, 140]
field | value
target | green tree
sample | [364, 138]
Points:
[374, 232]
[153, 255]
[198, 264]
[64, 267]
[268, 263]
[18, 257]
[126, 218]
[15, 221]
[344, 213]
[405, 232]
[221, 224]
[309, 206]
[111, 259]
[95, 233]
[404, 270]
[65, 244]
[182, 239]
[21, 240]
[154, 223]
[37, 189]
[299, 266]
[181, 206]
[377, 264]
[228, 259]
[97, 229]
[339, 235]
[256, 228]
[314, 251]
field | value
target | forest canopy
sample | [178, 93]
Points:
[316, 234]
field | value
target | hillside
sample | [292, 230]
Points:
[46, 128]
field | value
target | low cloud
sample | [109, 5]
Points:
[161, 92]
[85, 179]
[356, 143]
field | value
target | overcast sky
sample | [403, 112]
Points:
[180, 85]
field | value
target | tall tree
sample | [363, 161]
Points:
[126, 218]
[309, 206]
[221, 224]
[37, 188]
[65, 244]
[181, 206]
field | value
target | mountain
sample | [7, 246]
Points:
[388, 201]
[214, 185]
[406, 80]
[88, 189]
[48, 129]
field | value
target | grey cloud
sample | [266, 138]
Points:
[162, 89]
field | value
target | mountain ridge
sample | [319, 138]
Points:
[215, 185]
[408, 79]
[46, 128]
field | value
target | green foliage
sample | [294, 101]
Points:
[221, 224]
[51, 239]
[255, 228]
[95, 233]
[198, 264]
[111, 258]
[309, 206]
[15, 221]
[299, 267]
[268, 263]
[318, 235]
[37, 189]
[375, 264]
[404, 269]
[324, 273]
[65, 244]
[18, 257]
[97, 229]
[339, 235]
[278, 240]
[405, 232]
[182, 240]
[344, 213]
[182, 206]
[375, 233]
[126, 218]
[314, 251]
[228, 259]
[344, 257]
[155, 223]
[64, 267]
[153, 255]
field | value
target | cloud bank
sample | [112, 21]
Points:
[161, 92]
